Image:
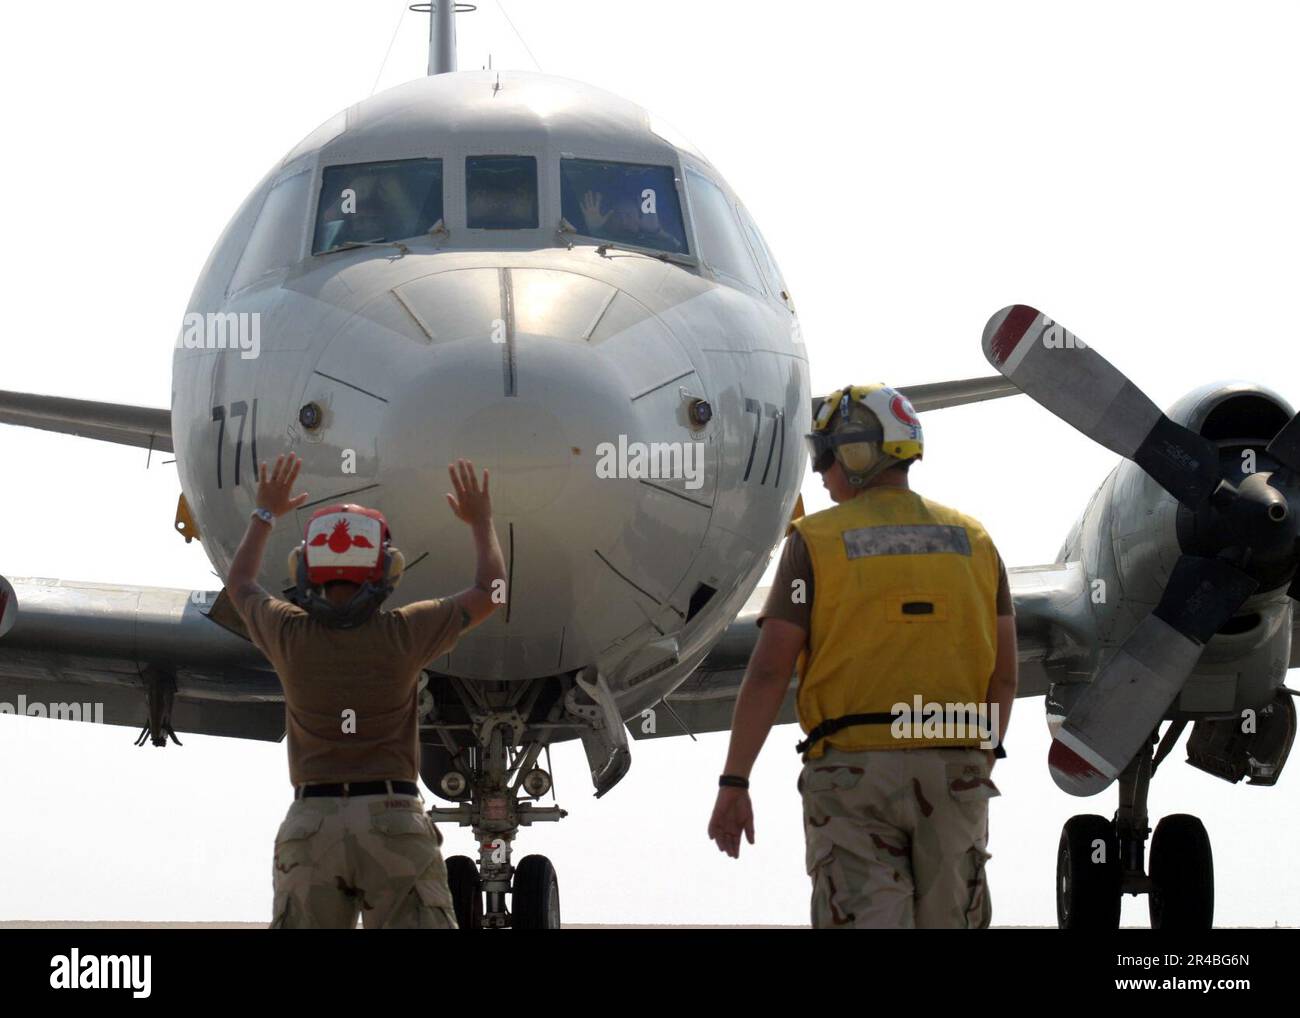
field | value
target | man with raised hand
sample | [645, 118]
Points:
[356, 838]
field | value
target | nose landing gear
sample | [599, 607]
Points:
[495, 813]
[495, 782]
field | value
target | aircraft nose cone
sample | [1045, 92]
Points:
[575, 397]
[537, 433]
[592, 556]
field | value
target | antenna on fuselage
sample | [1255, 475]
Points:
[442, 32]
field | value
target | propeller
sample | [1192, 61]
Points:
[1054, 368]
[1249, 528]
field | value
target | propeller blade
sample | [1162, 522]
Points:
[1085, 390]
[1285, 446]
[1123, 705]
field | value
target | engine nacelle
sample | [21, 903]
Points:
[1133, 532]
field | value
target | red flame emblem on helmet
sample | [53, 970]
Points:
[903, 411]
[340, 540]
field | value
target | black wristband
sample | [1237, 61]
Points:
[999, 752]
[732, 781]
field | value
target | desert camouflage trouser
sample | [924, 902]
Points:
[896, 838]
[373, 854]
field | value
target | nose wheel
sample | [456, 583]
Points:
[534, 892]
[536, 895]
[466, 892]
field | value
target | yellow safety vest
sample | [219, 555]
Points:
[904, 611]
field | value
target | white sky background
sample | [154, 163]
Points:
[1130, 169]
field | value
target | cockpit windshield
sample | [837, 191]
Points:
[368, 203]
[501, 193]
[625, 203]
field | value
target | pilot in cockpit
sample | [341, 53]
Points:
[625, 222]
[372, 207]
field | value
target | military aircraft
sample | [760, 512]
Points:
[540, 276]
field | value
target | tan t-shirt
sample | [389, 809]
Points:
[796, 564]
[372, 670]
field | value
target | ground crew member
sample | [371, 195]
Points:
[356, 838]
[885, 599]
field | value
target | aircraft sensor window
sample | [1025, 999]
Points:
[722, 246]
[276, 238]
[501, 192]
[369, 203]
[627, 203]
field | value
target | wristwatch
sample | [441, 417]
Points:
[265, 515]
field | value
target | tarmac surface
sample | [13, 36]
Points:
[67, 924]
[64, 924]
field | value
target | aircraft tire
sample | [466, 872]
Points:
[1087, 888]
[1182, 875]
[466, 892]
[536, 895]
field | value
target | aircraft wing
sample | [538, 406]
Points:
[121, 655]
[1053, 623]
[144, 427]
[148, 657]
[938, 395]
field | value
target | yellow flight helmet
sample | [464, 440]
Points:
[868, 429]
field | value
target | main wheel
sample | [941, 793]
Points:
[1088, 874]
[536, 895]
[1182, 875]
[466, 892]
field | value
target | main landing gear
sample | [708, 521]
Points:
[1101, 860]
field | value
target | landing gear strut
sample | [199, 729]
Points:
[1101, 860]
[495, 781]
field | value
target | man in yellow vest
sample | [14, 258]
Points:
[898, 614]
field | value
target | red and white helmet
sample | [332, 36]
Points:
[345, 542]
[349, 543]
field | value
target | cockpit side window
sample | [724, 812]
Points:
[366, 203]
[766, 263]
[277, 236]
[501, 192]
[627, 203]
[717, 231]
